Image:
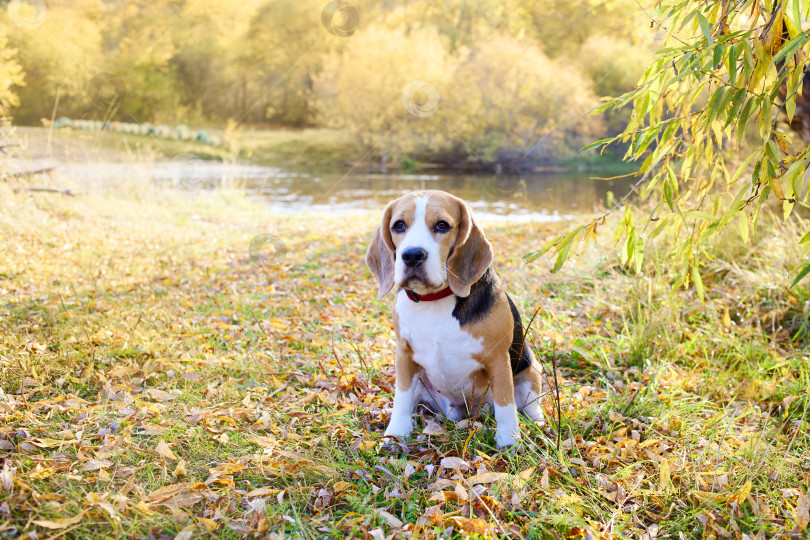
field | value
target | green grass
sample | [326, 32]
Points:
[270, 384]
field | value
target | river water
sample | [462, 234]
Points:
[515, 197]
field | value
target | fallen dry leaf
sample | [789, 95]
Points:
[60, 523]
[455, 463]
[663, 474]
[163, 449]
[487, 478]
[392, 520]
[186, 534]
[96, 464]
[803, 512]
[180, 468]
[7, 476]
[740, 496]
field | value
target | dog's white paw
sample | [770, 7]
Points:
[506, 439]
[533, 412]
[399, 428]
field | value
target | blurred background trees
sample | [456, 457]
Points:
[514, 79]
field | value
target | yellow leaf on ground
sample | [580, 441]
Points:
[60, 523]
[95, 464]
[461, 493]
[159, 395]
[180, 469]
[163, 449]
[437, 497]
[278, 323]
[265, 491]
[342, 486]
[741, 495]
[366, 445]
[487, 478]
[49, 443]
[182, 494]
[267, 442]
[474, 525]
[143, 507]
[663, 473]
[209, 524]
[40, 472]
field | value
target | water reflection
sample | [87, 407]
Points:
[547, 197]
[538, 197]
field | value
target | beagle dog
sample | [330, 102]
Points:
[459, 335]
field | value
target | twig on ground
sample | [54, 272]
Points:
[46, 190]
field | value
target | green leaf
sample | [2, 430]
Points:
[803, 272]
[773, 153]
[805, 238]
[746, 112]
[597, 143]
[797, 13]
[639, 254]
[790, 47]
[668, 195]
[744, 228]
[564, 248]
[714, 104]
[737, 101]
[705, 27]
[529, 257]
[790, 108]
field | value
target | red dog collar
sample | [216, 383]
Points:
[444, 293]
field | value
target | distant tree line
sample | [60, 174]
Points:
[480, 81]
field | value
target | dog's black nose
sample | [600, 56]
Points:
[413, 257]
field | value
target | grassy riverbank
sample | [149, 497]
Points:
[158, 380]
[286, 148]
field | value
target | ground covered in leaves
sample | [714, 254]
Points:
[158, 379]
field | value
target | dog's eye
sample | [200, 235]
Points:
[442, 226]
[399, 226]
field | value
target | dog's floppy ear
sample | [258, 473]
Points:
[380, 254]
[470, 256]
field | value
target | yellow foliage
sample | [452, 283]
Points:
[361, 88]
[510, 98]
[11, 73]
[613, 64]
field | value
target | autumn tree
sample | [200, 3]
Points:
[709, 128]
[11, 74]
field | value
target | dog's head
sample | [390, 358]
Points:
[426, 241]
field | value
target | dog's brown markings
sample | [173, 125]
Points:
[471, 252]
[495, 332]
[405, 366]
[380, 254]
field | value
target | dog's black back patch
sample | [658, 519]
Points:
[479, 303]
[477, 306]
[519, 354]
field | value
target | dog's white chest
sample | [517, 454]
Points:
[443, 349]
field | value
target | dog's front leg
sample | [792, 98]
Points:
[507, 432]
[407, 389]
